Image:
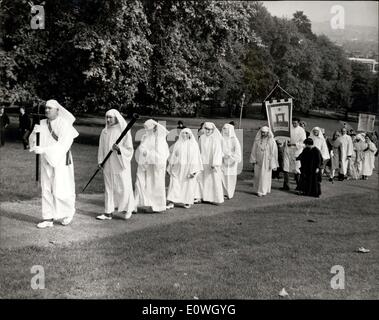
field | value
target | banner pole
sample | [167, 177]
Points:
[243, 99]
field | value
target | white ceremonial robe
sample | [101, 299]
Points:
[320, 144]
[265, 156]
[117, 170]
[57, 178]
[346, 151]
[184, 160]
[290, 164]
[232, 148]
[368, 163]
[150, 190]
[211, 179]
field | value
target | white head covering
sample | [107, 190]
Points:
[188, 153]
[258, 136]
[63, 113]
[232, 132]
[121, 121]
[211, 146]
[161, 130]
[320, 135]
[216, 133]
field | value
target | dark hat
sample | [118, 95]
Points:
[308, 142]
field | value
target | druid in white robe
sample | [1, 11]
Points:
[117, 169]
[183, 167]
[354, 170]
[57, 167]
[368, 164]
[151, 156]
[264, 157]
[293, 149]
[320, 143]
[211, 154]
[231, 150]
[346, 152]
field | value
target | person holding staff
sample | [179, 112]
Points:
[57, 169]
[117, 170]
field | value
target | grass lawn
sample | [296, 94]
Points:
[244, 255]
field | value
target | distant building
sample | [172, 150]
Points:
[371, 63]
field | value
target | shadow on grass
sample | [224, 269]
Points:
[20, 217]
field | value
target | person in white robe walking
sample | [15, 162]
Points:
[346, 153]
[355, 164]
[231, 149]
[319, 142]
[57, 169]
[117, 170]
[211, 154]
[151, 156]
[335, 155]
[368, 164]
[264, 157]
[292, 150]
[183, 167]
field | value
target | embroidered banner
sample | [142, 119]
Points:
[279, 115]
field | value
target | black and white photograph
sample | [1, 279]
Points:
[206, 152]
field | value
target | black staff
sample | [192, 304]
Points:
[36, 120]
[135, 117]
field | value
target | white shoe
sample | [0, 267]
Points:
[128, 215]
[197, 201]
[45, 224]
[187, 206]
[67, 220]
[170, 206]
[104, 217]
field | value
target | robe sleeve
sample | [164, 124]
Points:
[300, 141]
[371, 146]
[55, 154]
[236, 155]
[32, 139]
[274, 155]
[349, 151]
[253, 153]
[217, 154]
[100, 151]
[325, 151]
[160, 154]
[126, 150]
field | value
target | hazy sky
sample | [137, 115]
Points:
[363, 13]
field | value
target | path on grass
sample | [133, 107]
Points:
[19, 218]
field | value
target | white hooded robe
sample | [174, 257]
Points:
[185, 160]
[57, 169]
[117, 169]
[264, 155]
[211, 155]
[231, 148]
[151, 156]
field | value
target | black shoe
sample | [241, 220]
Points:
[286, 188]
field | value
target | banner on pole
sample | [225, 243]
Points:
[366, 122]
[279, 115]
